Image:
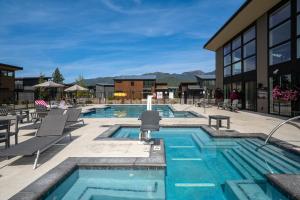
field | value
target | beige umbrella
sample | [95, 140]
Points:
[48, 84]
[75, 88]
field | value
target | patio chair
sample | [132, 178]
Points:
[234, 105]
[6, 110]
[50, 132]
[150, 122]
[4, 132]
[41, 111]
[225, 105]
[56, 111]
[73, 116]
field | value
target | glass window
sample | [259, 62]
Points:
[298, 25]
[236, 43]
[280, 54]
[298, 5]
[249, 49]
[249, 35]
[280, 15]
[226, 49]
[236, 68]
[227, 60]
[280, 33]
[298, 48]
[250, 95]
[236, 55]
[250, 64]
[227, 71]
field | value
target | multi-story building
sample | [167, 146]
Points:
[104, 91]
[24, 92]
[258, 54]
[7, 83]
[135, 87]
[208, 83]
[190, 92]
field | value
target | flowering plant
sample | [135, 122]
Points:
[285, 95]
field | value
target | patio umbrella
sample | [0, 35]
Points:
[75, 88]
[48, 85]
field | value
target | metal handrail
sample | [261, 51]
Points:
[275, 129]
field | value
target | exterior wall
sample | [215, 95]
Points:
[262, 61]
[104, 92]
[133, 92]
[7, 86]
[219, 68]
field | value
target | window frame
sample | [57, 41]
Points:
[276, 26]
[241, 47]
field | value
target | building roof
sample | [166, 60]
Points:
[32, 77]
[10, 67]
[105, 84]
[207, 76]
[138, 77]
[248, 13]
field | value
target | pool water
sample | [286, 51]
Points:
[134, 111]
[201, 167]
[112, 184]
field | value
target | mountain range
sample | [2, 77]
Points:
[172, 79]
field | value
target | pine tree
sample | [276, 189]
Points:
[57, 76]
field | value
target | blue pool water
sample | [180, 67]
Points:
[134, 111]
[199, 167]
[111, 184]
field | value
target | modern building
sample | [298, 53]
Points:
[208, 83]
[24, 92]
[135, 87]
[162, 90]
[104, 91]
[190, 92]
[7, 83]
[257, 53]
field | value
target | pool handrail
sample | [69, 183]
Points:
[275, 129]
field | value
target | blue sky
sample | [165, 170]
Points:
[110, 37]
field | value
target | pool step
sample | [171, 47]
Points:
[272, 160]
[208, 143]
[242, 166]
[244, 190]
[287, 157]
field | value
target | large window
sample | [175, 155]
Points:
[298, 28]
[280, 35]
[240, 53]
[250, 95]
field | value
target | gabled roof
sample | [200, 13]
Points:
[248, 13]
[206, 76]
[138, 77]
[10, 67]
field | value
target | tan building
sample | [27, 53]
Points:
[135, 87]
[7, 83]
[257, 53]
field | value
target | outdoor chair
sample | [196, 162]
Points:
[234, 105]
[4, 132]
[73, 116]
[56, 111]
[50, 132]
[41, 111]
[5, 110]
[226, 104]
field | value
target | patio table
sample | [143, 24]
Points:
[219, 119]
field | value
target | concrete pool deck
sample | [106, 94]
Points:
[17, 173]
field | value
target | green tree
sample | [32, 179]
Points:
[41, 94]
[80, 81]
[57, 76]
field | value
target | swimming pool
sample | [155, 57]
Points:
[201, 167]
[112, 184]
[134, 111]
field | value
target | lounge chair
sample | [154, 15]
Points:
[41, 112]
[50, 132]
[73, 116]
[150, 122]
[56, 111]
